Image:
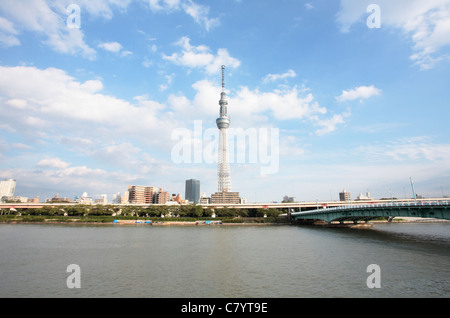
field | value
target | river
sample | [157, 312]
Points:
[224, 261]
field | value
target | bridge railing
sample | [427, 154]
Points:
[377, 205]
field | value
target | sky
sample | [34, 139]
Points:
[323, 96]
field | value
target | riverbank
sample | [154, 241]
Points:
[141, 221]
[162, 224]
[234, 222]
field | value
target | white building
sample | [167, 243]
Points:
[84, 199]
[15, 199]
[116, 198]
[363, 197]
[7, 188]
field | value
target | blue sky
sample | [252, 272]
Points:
[95, 108]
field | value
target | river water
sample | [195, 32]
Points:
[224, 261]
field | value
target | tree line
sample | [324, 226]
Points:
[192, 211]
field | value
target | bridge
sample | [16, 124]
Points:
[366, 212]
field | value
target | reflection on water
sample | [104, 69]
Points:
[279, 261]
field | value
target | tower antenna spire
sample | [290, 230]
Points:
[223, 78]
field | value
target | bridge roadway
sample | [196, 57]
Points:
[438, 209]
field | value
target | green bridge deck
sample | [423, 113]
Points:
[365, 213]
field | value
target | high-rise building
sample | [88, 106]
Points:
[344, 196]
[136, 194]
[7, 188]
[141, 194]
[223, 123]
[192, 190]
[162, 197]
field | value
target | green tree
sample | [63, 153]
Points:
[261, 212]
[153, 211]
[163, 210]
[197, 211]
[242, 213]
[273, 212]
[225, 212]
[208, 212]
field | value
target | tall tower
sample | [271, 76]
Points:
[223, 122]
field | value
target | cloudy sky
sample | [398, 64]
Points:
[98, 95]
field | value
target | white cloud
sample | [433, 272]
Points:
[276, 77]
[250, 108]
[201, 57]
[49, 20]
[35, 99]
[111, 46]
[163, 4]
[70, 180]
[411, 149]
[22, 146]
[285, 104]
[329, 125]
[40, 17]
[51, 109]
[53, 163]
[147, 62]
[99, 8]
[361, 92]
[426, 23]
[199, 12]
[8, 34]
[114, 47]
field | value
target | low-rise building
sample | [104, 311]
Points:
[225, 197]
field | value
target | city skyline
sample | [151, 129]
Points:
[91, 94]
